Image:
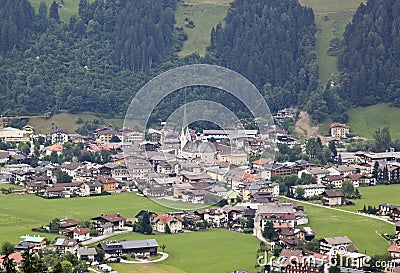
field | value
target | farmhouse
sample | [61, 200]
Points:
[116, 248]
[334, 244]
[66, 244]
[161, 221]
[86, 253]
[332, 197]
[116, 221]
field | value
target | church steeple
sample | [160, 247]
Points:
[185, 135]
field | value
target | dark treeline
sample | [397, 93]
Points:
[94, 63]
[370, 57]
[272, 44]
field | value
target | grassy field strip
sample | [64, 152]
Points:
[205, 15]
[331, 18]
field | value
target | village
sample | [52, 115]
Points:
[226, 171]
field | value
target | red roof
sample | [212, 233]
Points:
[81, 231]
[262, 161]
[67, 223]
[56, 147]
[166, 218]
[394, 248]
[106, 179]
[111, 218]
[16, 256]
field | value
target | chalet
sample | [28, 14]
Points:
[387, 208]
[332, 197]
[282, 215]
[86, 253]
[116, 248]
[342, 170]
[174, 223]
[194, 196]
[58, 136]
[66, 244]
[360, 179]
[334, 245]
[67, 224]
[36, 243]
[80, 234]
[317, 172]
[335, 180]
[109, 184]
[103, 222]
[304, 233]
[217, 217]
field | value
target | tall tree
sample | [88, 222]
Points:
[53, 14]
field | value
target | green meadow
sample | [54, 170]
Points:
[376, 195]
[217, 250]
[19, 213]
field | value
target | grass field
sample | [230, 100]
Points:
[20, 213]
[376, 195]
[70, 7]
[205, 14]
[67, 122]
[365, 120]
[361, 230]
[215, 250]
[10, 186]
[339, 13]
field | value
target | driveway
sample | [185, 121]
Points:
[162, 258]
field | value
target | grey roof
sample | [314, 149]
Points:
[87, 251]
[339, 240]
[317, 170]
[130, 244]
[276, 208]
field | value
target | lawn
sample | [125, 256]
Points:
[339, 13]
[205, 14]
[361, 230]
[70, 7]
[67, 122]
[20, 213]
[375, 196]
[215, 250]
[10, 186]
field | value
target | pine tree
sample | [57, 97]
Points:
[53, 14]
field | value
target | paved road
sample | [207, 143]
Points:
[105, 236]
[162, 258]
[341, 210]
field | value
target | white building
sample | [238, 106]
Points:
[10, 134]
[309, 190]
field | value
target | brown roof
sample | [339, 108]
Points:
[111, 218]
[166, 218]
[333, 193]
[67, 223]
[81, 231]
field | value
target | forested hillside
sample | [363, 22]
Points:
[272, 44]
[370, 58]
[94, 63]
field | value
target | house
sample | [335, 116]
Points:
[80, 234]
[304, 233]
[342, 170]
[282, 215]
[339, 130]
[335, 180]
[309, 190]
[57, 148]
[334, 245]
[387, 209]
[67, 224]
[58, 136]
[194, 196]
[103, 222]
[394, 251]
[109, 184]
[332, 197]
[216, 217]
[4, 157]
[36, 243]
[116, 248]
[174, 223]
[66, 244]
[317, 172]
[84, 253]
[397, 224]
[16, 257]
